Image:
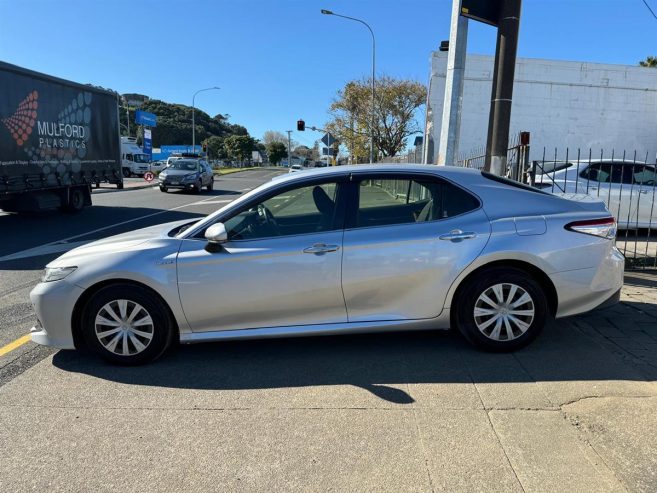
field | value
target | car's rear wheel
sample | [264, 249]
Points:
[163, 189]
[502, 309]
[127, 325]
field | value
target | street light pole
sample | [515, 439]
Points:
[372, 118]
[193, 120]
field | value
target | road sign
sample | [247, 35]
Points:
[148, 176]
[148, 146]
[145, 118]
[328, 139]
[487, 11]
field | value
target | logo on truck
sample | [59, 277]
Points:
[22, 122]
[68, 132]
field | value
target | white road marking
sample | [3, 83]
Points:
[212, 202]
[64, 245]
[44, 250]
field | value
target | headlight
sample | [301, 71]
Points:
[57, 273]
[162, 175]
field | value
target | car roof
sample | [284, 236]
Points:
[445, 171]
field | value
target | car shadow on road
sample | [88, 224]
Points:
[575, 349]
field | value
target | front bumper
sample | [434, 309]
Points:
[178, 185]
[53, 303]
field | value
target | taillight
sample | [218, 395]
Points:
[604, 227]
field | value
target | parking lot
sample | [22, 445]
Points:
[420, 411]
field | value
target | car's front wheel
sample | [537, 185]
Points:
[502, 309]
[127, 324]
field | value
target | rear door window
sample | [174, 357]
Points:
[385, 200]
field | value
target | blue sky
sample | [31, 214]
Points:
[280, 60]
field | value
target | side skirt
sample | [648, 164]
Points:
[439, 323]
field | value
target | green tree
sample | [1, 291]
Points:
[215, 146]
[650, 61]
[174, 124]
[276, 151]
[395, 105]
[239, 146]
[273, 136]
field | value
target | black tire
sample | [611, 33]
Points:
[199, 186]
[119, 185]
[163, 189]
[126, 173]
[211, 185]
[76, 200]
[162, 327]
[507, 277]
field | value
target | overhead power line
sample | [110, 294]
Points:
[648, 7]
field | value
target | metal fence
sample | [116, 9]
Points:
[626, 183]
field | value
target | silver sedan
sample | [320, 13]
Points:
[342, 250]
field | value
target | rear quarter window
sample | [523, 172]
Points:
[511, 183]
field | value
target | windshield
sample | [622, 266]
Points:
[184, 165]
[141, 158]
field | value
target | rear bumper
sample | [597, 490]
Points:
[582, 290]
[609, 302]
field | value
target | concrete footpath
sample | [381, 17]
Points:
[576, 411]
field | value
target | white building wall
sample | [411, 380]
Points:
[573, 105]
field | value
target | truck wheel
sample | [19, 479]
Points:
[164, 189]
[127, 173]
[199, 186]
[119, 185]
[75, 200]
[211, 185]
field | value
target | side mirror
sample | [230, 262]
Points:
[216, 234]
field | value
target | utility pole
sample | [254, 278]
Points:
[450, 128]
[499, 121]
[289, 148]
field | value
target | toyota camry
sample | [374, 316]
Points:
[347, 249]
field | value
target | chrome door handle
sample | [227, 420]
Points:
[644, 192]
[321, 248]
[457, 234]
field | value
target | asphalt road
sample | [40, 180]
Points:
[29, 242]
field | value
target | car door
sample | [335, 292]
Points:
[281, 264]
[206, 174]
[645, 182]
[407, 237]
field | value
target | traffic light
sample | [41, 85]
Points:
[204, 147]
[301, 125]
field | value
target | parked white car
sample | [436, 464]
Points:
[626, 187]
